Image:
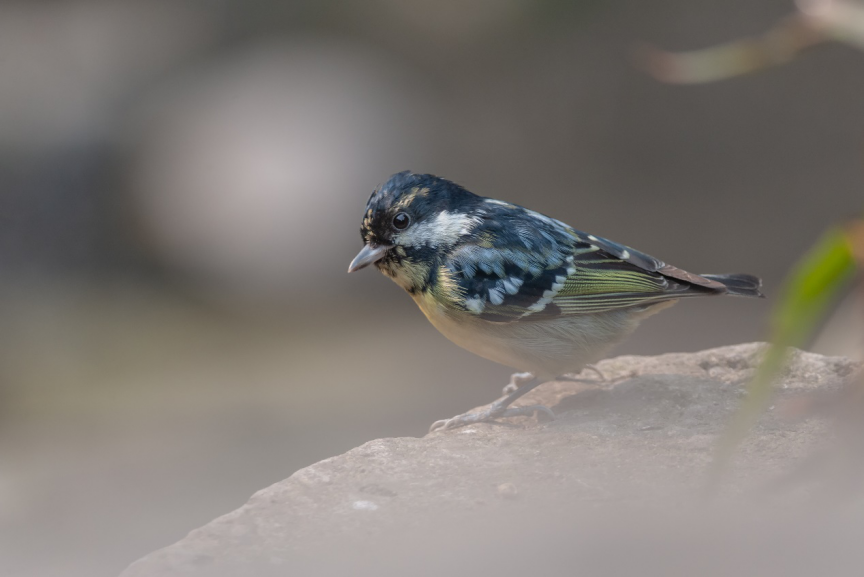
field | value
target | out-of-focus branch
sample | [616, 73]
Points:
[815, 22]
[840, 20]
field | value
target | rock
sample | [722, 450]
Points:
[613, 485]
[508, 491]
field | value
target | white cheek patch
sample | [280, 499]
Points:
[445, 229]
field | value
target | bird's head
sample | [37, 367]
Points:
[410, 222]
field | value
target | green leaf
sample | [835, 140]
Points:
[807, 293]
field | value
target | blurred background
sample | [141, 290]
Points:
[181, 189]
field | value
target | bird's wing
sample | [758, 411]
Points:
[522, 269]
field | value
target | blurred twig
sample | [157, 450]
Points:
[815, 22]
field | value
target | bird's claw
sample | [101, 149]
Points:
[595, 369]
[490, 414]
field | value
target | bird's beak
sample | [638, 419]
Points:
[368, 254]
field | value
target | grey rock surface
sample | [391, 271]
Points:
[614, 485]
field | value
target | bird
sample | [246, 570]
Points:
[518, 287]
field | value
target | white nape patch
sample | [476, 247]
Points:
[625, 255]
[475, 304]
[445, 229]
[496, 296]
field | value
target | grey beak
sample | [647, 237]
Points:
[368, 254]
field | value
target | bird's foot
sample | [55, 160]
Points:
[500, 408]
[516, 381]
[490, 414]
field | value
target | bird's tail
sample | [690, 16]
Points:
[743, 285]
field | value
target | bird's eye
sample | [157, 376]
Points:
[401, 221]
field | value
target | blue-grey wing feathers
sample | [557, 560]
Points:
[523, 266]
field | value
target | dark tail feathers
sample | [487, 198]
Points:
[744, 285]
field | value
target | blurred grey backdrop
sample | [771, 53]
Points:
[181, 187]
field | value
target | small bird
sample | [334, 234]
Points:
[515, 286]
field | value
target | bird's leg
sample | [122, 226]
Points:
[516, 381]
[499, 408]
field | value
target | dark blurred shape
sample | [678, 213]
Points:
[68, 70]
[68, 66]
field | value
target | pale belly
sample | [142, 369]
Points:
[547, 348]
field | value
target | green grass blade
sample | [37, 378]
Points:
[808, 291]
